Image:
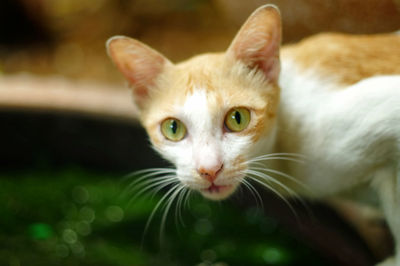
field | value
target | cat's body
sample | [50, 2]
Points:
[323, 121]
[346, 122]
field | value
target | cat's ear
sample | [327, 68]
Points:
[140, 64]
[257, 42]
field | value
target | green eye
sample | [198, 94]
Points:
[237, 119]
[173, 129]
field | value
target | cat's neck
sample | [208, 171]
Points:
[302, 93]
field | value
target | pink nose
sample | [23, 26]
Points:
[210, 174]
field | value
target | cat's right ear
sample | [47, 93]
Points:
[140, 64]
[258, 41]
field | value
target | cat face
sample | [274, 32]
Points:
[208, 115]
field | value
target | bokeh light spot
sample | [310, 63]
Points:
[203, 227]
[114, 213]
[78, 249]
[40, 231]
[69, 236]
[274, 255]
[87, 214]
[83, 228]
[80, 195]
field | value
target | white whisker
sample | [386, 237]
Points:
[268, 158]
[263, 183]
[276, 193]
[149, 173]
[161, 201]
[185, 196]
[294, 157]
[146, 182]
[289, 177]
[178, 207]
[264, 168]
[286, 154]
[253, 191]
[269, 178]
[157, 189]
[150, 170]
[266, 177]
[156, 186]
[186, 203]
[177, 190]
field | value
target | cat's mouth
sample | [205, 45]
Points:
[217, 192]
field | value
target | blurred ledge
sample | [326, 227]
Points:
[58, 94]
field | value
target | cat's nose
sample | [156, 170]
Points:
[211, 173]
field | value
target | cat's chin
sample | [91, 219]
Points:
[215, 192]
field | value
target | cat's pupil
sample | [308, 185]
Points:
[237, 117]
[174, 126]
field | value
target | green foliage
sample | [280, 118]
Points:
[78, 217]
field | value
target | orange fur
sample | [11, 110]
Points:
[226, 86]
[244, 76]
[347, 58]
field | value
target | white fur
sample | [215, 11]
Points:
[343, 132]
[205, 145]
[350, 136]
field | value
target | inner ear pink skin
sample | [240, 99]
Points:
[258, 41]
[139, 63]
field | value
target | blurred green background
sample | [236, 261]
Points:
[62, 199]
[75, 216]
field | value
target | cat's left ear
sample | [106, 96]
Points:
[140, 64]
[258, 41]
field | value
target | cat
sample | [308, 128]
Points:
[318, 119]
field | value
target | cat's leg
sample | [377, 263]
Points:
[368, 222]
[387, 183]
